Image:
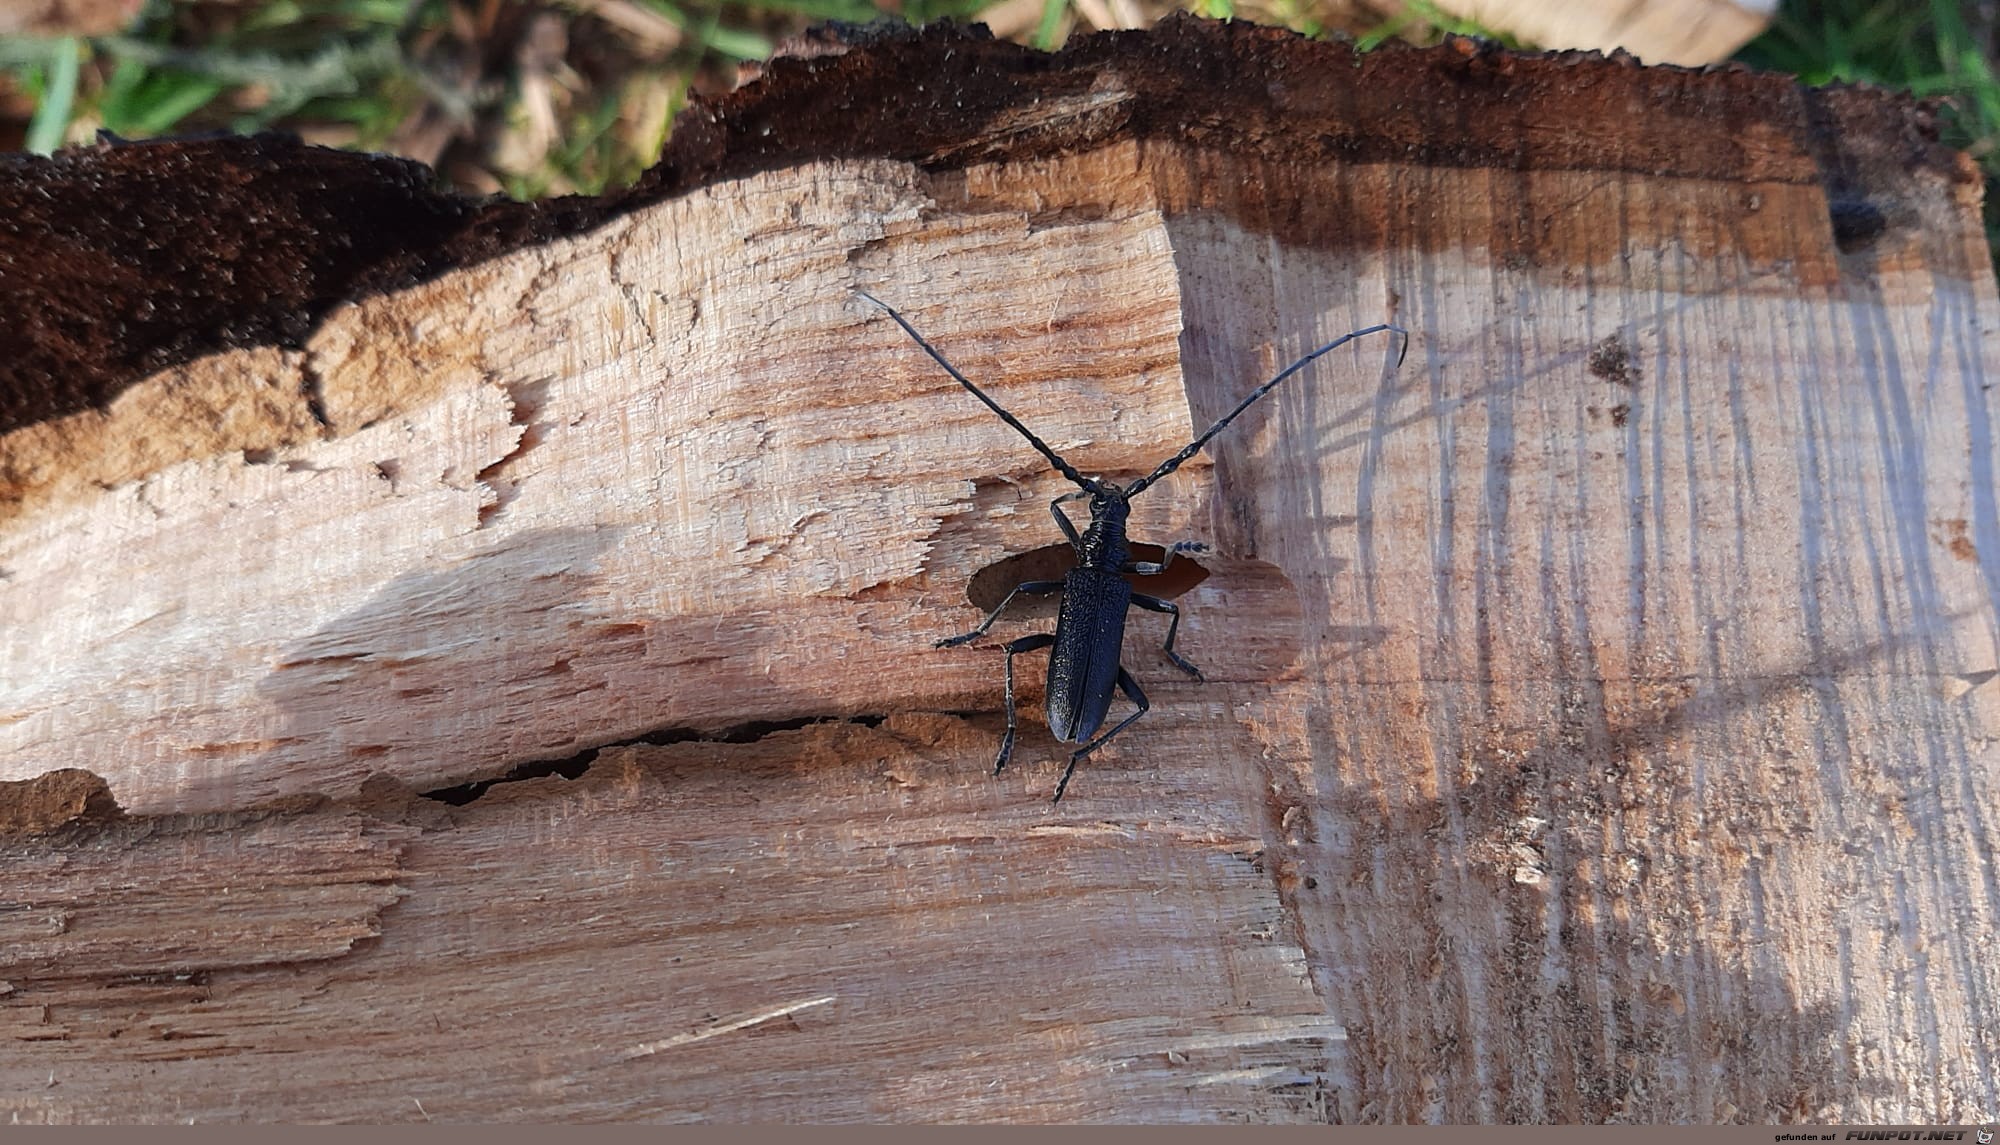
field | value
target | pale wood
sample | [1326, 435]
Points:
[1690, 33]
[1599, 722]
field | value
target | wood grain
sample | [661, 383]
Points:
[1600, 713]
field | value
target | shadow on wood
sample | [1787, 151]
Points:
[1600, 709]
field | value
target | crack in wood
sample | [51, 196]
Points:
[576, 766]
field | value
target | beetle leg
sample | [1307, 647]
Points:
[1024, 644]
[1069, 529]
[1151, 568]
[1130, 687]
[1032, 588]
[1154, 604]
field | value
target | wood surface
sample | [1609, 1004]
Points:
[516, 698]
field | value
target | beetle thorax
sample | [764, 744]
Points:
[1104, 540]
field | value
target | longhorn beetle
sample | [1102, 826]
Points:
[1090, 623]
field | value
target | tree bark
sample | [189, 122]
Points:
[509, 646]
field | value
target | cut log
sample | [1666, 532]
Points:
[506, 632]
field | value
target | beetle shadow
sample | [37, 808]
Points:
[383, 688]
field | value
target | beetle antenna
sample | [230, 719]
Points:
[1055, 459]
[1194, 447]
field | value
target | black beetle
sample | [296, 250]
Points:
[1084, 669]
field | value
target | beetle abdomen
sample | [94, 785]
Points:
[1083, 665]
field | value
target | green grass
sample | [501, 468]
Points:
[53, 80]
[372, 73]
[1430, 22]
[1928, 47]
[363, 73]
[447, 80]
[282, 61]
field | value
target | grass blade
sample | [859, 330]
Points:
[51, 121]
